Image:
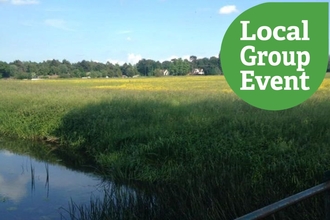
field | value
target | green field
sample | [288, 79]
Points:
[192, 134]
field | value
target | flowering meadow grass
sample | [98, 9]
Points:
[204, 152]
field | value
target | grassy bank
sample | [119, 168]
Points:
[221, 157]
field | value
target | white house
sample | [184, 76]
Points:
[198, 72]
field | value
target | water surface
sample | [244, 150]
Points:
[33, 188]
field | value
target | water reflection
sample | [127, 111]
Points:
[35, 189]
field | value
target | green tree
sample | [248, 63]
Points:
[54, 70]
[20, 65]
[76, 73]
[85, 66]
[145, 67]
[166, 65]
[193, 62]
[117, 71]
[158, 72]
[95, 74]
[180, 67]
[214, 71]
[14, 70]
[44, 68]
[63, 69]
[4, 70]
[129, 70]
[32, 67]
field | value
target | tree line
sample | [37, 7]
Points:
[145, 67]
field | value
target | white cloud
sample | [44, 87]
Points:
[172, 57]
[14, 188]
[128, 39]
[176, 57]
[186, 57]
[120, 62]
[7, 153]
[133, 59]
[57, 23]
[24, 2]
[228, 9]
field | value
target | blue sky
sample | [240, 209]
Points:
[116, 31]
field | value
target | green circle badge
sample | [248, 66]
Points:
[274, 56]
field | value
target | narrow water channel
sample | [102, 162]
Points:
[36, 188]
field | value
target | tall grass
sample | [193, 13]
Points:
[116, 203]
[205, 152]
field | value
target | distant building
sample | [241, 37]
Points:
[166, 72]
[198, 72]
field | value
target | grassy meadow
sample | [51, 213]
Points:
[204, 152]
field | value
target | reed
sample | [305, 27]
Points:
[217, 156]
